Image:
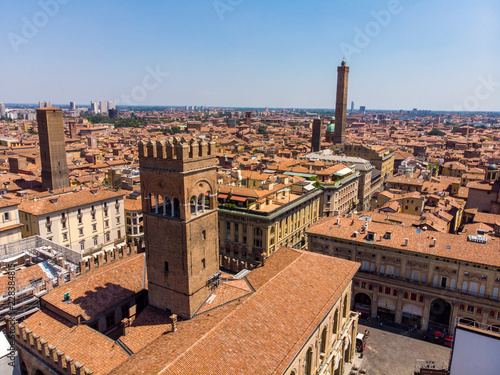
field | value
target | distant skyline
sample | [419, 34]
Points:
[432, 55]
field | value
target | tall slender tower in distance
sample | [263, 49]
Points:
[316, 135]
[341, 104]
[55, 173]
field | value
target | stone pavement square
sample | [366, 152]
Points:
[390, 351]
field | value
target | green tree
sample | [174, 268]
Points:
[436, 132]
[262, 129]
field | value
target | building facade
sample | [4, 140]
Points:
[134, 225]
[10, 226]
[254, 223]
[381, 157]
[87, 221]
[413, 277]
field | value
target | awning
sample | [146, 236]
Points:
[412, 309]
[239, 199]
[14, 258]
[362, 310]
[343, 172]
[222, 195]
[337, 361]
[387, 303]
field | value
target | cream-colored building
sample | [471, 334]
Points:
[254, 223]
[85, 220]
[380, 156]
[340, 194]
[416, 277]
[331, 347]
[10, 227]
[133, 218]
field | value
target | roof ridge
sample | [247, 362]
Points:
[225, 318]
[325, 304]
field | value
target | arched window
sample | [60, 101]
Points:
[160, 210]
[177, 210]
[201, 202]
[206, 201]
[335, 326]
[152, 202]
[167, 207]
[194, 205]
[324, 340]
[308, 362]
[345, 306]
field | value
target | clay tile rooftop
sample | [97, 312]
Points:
[97, 291]
[447, 245]
[274, 310]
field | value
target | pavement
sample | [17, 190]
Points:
[392, 351]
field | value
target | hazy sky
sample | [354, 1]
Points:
[429, 54]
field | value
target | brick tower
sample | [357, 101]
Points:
[248, 118]
[341, 104]
[179, 202]
[316, 135]
[55, 173]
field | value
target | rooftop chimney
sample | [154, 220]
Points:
[126, 326]
[434, 240]
[173, 318]
[406, 241]
[338, 220]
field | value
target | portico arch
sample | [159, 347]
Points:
[363, 303]
[440, 313]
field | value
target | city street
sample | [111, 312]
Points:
[390, 351]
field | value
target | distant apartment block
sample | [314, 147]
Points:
[87, 221]
[10, 226]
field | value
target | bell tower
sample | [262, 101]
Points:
[179, 203]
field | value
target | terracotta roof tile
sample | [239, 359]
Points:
[87, 346]
[448, 245]
[261, 334]
[101, 289]
[65, 201]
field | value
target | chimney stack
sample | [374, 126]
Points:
[173, 317]
[406, 241]
[126, 326]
